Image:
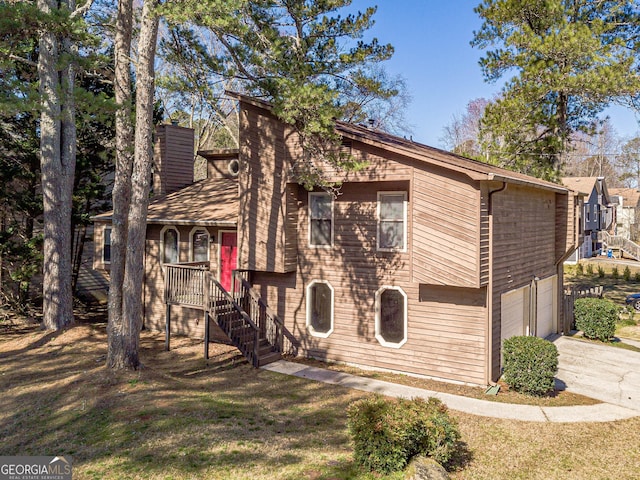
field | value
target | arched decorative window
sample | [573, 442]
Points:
[199, 245]
[320, 308]
[169, 241]
[391, 316]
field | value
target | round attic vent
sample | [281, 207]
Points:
[233, 167]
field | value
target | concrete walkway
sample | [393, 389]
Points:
[577, 364]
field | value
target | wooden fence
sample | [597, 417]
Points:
[569, 298]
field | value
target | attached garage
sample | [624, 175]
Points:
[515, 313]
[545, 307]
[530, 310]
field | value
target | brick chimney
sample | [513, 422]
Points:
[172, 159]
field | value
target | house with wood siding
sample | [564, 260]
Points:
[598, 213]
[423, 263]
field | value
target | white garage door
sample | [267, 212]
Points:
[514, 312]
[545, 307]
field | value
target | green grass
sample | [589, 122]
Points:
[614, 289]
[183, 418]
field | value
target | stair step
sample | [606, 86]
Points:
[267, 359]
[265, 349]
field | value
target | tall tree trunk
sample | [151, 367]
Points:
[122, 183]
[125, 329]
[57, 157]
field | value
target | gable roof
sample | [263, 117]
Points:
[213, 202]
[630, 196]
[418, 151]
[581, 184]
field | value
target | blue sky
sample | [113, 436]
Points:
[432, 52]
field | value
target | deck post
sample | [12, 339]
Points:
[167, 331]
[206, 334]
[206, 302]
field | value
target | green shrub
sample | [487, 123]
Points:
[615, 274]
[596, 317]
[600, 271]
[637, 277]
[589, 269]
[387, 433]
[626, 273]
[530, 364]
[579, 269]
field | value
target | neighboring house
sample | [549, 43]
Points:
[626, 212]
[598, 213]
[422, 264]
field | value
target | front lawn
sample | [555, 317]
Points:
[183, 418]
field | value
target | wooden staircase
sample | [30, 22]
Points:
[246, 320]
[615, 242]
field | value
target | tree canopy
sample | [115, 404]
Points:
[570, 59]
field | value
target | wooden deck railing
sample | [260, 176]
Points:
[271, 327]
[185, 285]
[233, 320]
[244, 317]
[620, 243]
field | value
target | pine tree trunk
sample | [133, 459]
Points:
[57, 157]
[122, 184]
[124, 346]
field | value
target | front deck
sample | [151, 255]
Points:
[241, 314]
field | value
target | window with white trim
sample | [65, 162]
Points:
[199, 245]
[392, 221]
[320, 308]
[391, 316]
[169, 241]
[320, 219]
[106, 245]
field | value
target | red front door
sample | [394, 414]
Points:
[228, 257]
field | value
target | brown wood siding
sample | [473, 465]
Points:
[98, 235]
[566, 226]
[291, 226]
[524, 224]
[173, 159]
[262, 223]
[446, 226]
[485, 235]
[446, 335]
[185, 321]
[219, 168]
[379, 165]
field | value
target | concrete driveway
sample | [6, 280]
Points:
[605, 373]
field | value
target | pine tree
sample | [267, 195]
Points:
[287, 50]
[570, 60]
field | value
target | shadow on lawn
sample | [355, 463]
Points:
[179, 416]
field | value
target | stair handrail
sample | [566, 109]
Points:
[618, 241]
[177, 276]
[227, 296]
[281, 330]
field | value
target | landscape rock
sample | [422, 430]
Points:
[425, 468]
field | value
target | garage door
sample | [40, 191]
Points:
[514, 312]
[545, 307]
